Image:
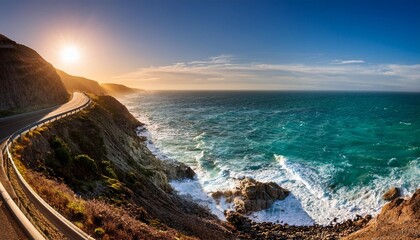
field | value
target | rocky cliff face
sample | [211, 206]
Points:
[27, 81]
[98, 154]
[399, 219]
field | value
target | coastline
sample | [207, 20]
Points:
[247, 228]
[292, 212]
[145, 191]
[290, 207]
[218, 165]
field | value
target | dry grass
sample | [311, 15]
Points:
[40, 222]
[98, 218]
[118, 224]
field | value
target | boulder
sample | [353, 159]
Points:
[391, 194]
[177, 171]
[238, 220]
[252, 195]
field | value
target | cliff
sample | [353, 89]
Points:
[118, 89]
[97, 155]
[28, 82]
[73, 83]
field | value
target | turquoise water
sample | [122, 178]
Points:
[337, 152]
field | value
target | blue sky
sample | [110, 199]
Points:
[349, 45]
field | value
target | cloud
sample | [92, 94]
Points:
[222, 72]
[348, 61]
[221, 59]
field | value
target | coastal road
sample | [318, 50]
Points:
[9, 125]
[9, 227]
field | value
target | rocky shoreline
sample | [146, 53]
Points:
[248, 229]
[399, 219]
[250, 196]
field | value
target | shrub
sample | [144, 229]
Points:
[84, 167]
[99, 231]
[61, 152]
[76, 209]
[108, 170]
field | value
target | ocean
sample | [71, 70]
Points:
[337, 152]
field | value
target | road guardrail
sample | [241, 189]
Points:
[60, 222]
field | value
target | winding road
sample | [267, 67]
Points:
[9, 227]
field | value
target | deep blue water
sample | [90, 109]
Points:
[336, 151]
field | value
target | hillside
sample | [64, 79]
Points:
[124, 188]
[27, 81]
[73, 83]
[119, 89]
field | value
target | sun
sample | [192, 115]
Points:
[70, 54]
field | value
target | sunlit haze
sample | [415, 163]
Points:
[70, 54]
[226, 45]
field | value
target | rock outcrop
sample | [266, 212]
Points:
[27, 81]
[252, 195]
[399, 219]
[391, 194]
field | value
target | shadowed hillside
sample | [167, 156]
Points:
[74, 83]
[28, 82]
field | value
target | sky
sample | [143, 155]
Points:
[227, 45]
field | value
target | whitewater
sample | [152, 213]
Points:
[336, 152]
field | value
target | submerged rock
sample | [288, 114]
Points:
[391, 194]
[252, 195]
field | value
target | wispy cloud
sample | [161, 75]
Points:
[221, 59]
[222, 72]
[348, 61]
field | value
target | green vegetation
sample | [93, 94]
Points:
[90, 140]
[62, 156]
[81, 171]
[99, 231]
[87, 167]
[108, 169]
